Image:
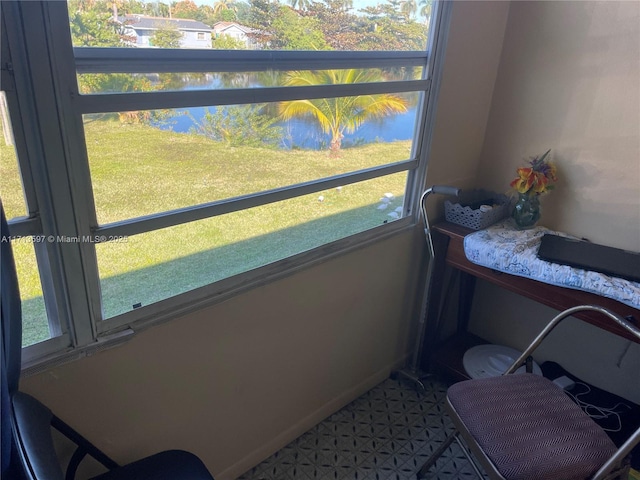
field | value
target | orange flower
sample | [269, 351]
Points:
[525, 180]
[540, 183]
[537, 178]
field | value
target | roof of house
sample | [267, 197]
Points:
[222, 26]
[144, 22]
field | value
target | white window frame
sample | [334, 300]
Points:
[47, 108]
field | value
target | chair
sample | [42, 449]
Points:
[524, 427]
[33, 423]
[27, 442]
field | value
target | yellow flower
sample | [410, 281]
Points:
[536, 179]
[525, 180]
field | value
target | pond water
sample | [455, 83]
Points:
[306, 135]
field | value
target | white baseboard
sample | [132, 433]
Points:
[293, 432]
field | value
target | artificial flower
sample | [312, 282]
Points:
[536, 179]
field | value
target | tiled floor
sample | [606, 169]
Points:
[387, 433]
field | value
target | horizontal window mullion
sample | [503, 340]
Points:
[122, 102]
[34, 354]
[207, 210]
[134, 60]
[25, 226]
[213, 293]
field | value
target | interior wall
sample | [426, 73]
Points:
[237, 381]
[569, 80]
[473, 54]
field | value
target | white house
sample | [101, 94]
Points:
[235, 31]
[195, 34]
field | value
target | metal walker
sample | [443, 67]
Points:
[412, 371]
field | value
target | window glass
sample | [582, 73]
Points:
[148, 162]
[105, 83]
[146, 268]
[35, 326]
[11, 191]
[255, 24]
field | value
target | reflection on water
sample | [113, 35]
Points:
[307, 135]
[298, 133]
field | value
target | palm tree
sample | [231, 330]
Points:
[425, 10]
[409, 7]
[345, 114]
[347, 5]
[222, 5]
[300, 4]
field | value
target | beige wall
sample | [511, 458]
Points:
[236, 381]
[473, 54]
[569, 80]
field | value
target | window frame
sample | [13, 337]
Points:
[56, 174]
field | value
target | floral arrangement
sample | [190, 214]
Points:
[536, 179]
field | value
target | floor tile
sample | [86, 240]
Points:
[388, 433]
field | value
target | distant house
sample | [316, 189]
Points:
[235, 31]
[195, 34]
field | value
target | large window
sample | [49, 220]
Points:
[152, 175]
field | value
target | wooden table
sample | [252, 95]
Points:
[449, 250]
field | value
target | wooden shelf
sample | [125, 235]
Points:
[558, 298]
[447, 357]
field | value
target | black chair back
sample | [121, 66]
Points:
[33, 425]
[11, 346]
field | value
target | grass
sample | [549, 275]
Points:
[137, 170]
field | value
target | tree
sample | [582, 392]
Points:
[227, 42]
[291, 31]
[227, 15]
[242, 12]
[113, 83]
[120, 83]
[336, 116]
[205, 14]
[426, 9]
[240, 125]
[346, 5]
[278, 27]
[184, 9]
[92, 25]
[300, 4]
[390, 30]
[222, 5]
[409, 7]
[341, 29]
[166, 36]
[157, 9]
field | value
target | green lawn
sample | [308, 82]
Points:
[137, 170]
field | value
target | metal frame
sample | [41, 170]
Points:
[49, 65]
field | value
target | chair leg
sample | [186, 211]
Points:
[469, 458]
[437, 454]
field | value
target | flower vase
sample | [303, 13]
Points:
[526, 211]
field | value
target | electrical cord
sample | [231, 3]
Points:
[596, 412]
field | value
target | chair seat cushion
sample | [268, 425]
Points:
[529, 428]
[169, 465]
